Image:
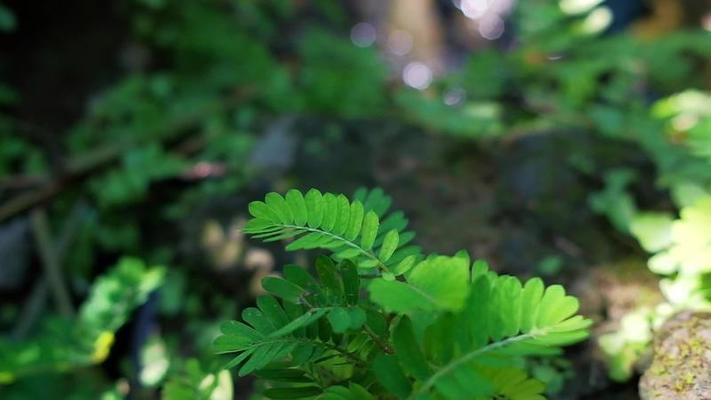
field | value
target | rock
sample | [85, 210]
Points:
[274, 152]
[15, 251]
[681, 368]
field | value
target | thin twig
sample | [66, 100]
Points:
[383, 346]
[97, 159]
[50, 262]
[34, 306]
[14, 182]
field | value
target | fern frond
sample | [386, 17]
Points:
[269, 337]
[274, 331]
[359, 230]
[337, 290]
[499, 322]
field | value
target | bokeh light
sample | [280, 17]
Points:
[575, 7]
[454, 96]
[597, 21]
[363, 34]
[474, 9]
[491, 27]
[488, 15]
[417, 75]
[400, 42]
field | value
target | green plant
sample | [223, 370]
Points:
[680, 244]
[380, 320]
[70, 343]
[193, 382]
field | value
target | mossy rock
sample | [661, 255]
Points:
[681, 368]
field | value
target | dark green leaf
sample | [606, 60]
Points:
[351, 282]
[390, 375]
[283, 288]
[292, 392]
[408, 350]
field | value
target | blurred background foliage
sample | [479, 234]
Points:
[135, 132]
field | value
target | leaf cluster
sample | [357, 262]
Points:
[64, 344]
[365, 328]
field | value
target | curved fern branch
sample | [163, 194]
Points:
[351, 230]
[466, 358]
[277, 330]
[298, 230]
[501, 319]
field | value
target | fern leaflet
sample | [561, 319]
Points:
[360, 230]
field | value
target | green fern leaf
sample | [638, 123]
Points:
[297, 205]
[360, 230]
[389, 245]
[412, 359]
[269, 337]
[343, 319]
[283, 289]
[294, 329]
[501, 321]
[391, 376]
[352, 392]
[513, 384]
[314, 208]
[299, 392]
[375, 200]
[437, 283]
[283, 375]
[370, 230]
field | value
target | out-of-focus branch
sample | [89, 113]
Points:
[27, 200]
[95, 161]
[34, 306]
[14, 182]
[50, 262]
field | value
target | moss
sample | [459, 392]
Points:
[681, 368]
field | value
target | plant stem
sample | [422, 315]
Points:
[347, 242]
[383, 346]
[467, 358]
